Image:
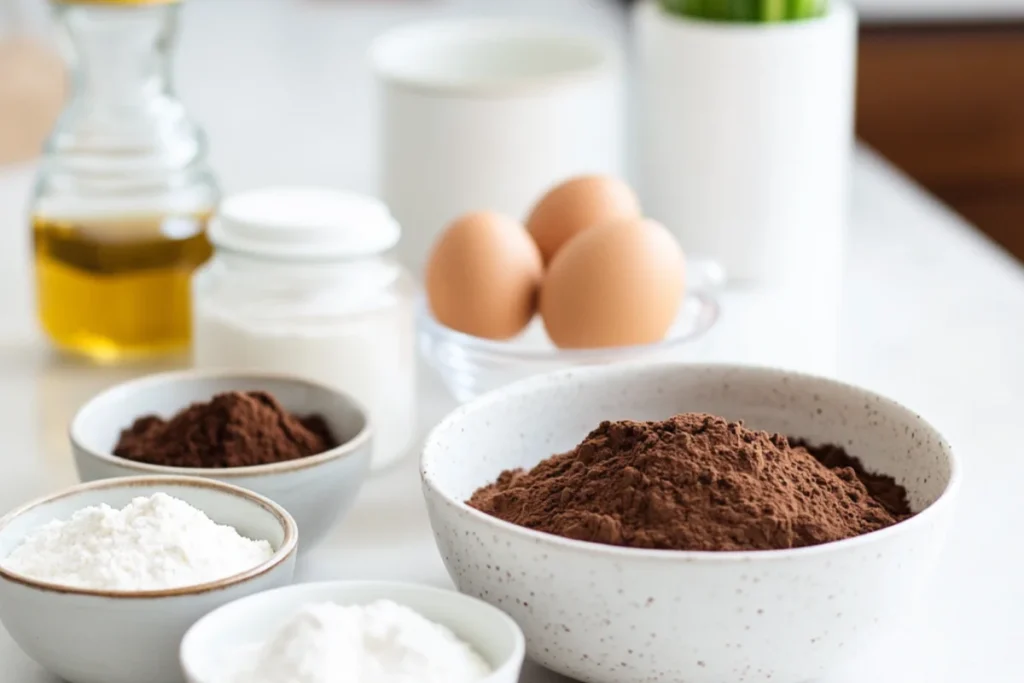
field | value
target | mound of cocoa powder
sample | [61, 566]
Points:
[234, 429]
[882, 487]
[695, 482]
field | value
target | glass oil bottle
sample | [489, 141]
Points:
[123, 194]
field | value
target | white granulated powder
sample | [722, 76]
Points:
[153, 543]
[382, 642]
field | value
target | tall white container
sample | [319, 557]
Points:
[746, 132]
[485, 114]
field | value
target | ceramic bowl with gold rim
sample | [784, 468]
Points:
[104, 636]
[316, 490]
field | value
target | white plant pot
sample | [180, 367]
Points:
[746, 132]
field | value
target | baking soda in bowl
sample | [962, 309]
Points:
[153, 543]
[382, 642]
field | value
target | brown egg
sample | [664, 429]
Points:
[576, 205]
[482, 276]
[617, 284]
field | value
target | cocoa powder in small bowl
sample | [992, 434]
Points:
[233, 429]
[696, 482]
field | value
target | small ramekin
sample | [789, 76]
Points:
[104, 636]
[207, 647]
[316, 490]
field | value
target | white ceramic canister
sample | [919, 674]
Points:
[745, 139]
[299, 284]
[487, 114]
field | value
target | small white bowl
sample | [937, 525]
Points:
[101, 636]
[605, 614]
[316, 490]
[206, 651]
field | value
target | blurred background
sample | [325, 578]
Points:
[940, 92]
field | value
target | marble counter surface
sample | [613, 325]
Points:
[932, 315]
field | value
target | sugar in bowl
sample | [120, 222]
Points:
[300, 284]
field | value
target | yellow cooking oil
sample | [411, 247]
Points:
[112, 288]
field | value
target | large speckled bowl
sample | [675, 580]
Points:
[603, 614]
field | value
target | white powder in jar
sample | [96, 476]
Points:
[369, 354]
[382, 642]
[153, 543]
[300, 283]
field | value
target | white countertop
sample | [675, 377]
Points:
[933, 315]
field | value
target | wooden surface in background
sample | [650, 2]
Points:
[946, 104]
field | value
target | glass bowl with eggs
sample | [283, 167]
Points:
[586, 280]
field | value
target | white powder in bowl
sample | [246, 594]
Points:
[153, 543]
[382, 642]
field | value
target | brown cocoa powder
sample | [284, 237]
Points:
[694, 482]
[234, 429]
[882, 487]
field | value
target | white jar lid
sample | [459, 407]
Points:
[303, 222]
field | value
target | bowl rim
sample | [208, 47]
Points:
[710, 312]
[604, 59]
[342, 585]
[531, 384]
[343, 450]
[288, 546]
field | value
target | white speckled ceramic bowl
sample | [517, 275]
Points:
[604, 614]
[210, 648]
[316, 490]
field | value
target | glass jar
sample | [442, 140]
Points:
[123, 192]
[299, 284]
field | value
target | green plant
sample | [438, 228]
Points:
[747, 10]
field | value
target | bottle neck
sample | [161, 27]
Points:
[123, 123]
[120, 55]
